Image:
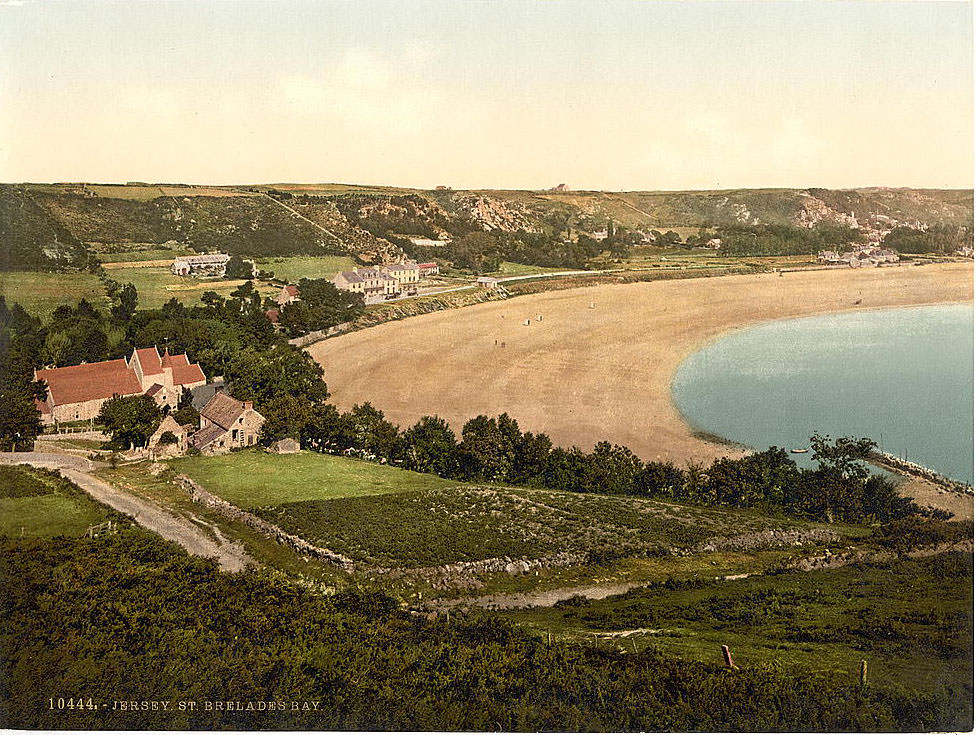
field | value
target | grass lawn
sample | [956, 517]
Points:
[42, 293]
[313, 266]
[157, 285]
[33, 503]
[252, 479]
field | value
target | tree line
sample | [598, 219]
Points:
[494, 449]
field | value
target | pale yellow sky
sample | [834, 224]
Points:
[602, 95]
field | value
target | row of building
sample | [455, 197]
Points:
[860, 256]
[77, 393]
[383, 282]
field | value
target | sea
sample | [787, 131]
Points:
[903, 377]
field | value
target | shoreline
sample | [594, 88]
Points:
[600, 363]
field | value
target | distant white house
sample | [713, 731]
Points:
[201, 266]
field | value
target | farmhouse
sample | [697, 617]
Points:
[225, 424]
[289, 295]
[77, 392]
[211, 265]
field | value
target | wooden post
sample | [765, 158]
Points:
[549, 637]
[864, 673]
[727, 655]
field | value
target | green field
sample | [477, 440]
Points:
[520, 269]
[134, 256]
[33, 503]
[157, 285]
[42, 293]
[295, 268]
[911, 620]
[254, 478]
[465, 523]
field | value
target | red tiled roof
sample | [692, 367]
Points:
[156, 387]
[291, 290]
[272, 315]
[149, 359]
[186, 374]
[89, 382]
[174, 360]
[427, 265]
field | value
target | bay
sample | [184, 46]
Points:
[903, 377]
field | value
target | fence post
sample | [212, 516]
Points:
[727, 655]
[864, 673]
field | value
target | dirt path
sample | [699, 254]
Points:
[548, 598]
[230, 556]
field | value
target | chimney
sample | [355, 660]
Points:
[248, 405]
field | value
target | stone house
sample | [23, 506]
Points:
[77, 392]
[407, 275]
[211, 265]
[156, 446]
[227, 423]
[289, 295]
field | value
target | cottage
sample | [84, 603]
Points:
[289, 295]
[174, 445]
[211, 265]
[428, 269]
[225, 424]
[76, 393]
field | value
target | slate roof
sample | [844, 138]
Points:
[203, 437]
[223, 410]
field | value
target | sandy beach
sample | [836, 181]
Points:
[599, 364]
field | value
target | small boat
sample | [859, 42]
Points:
[800, 451]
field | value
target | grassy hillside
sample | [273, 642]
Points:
[42, 293]
[375, 223]
[910, 619]
[431, 527]
[130, 617]
[30, 239]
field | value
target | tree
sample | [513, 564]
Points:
[238, 268]
[186, 414]
[286, 416]
[845, 455]
[20, 421]
[430, 446]
[130, 420]
[374, 434]
[128, 299]
[328, 430]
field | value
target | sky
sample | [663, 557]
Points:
[527, 94]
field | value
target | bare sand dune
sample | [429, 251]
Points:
[586, 374]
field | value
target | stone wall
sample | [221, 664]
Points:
[231, 511]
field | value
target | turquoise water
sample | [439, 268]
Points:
[903, 377]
